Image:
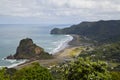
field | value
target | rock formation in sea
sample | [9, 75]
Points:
[28, 50]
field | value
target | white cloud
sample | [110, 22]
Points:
[96, 9]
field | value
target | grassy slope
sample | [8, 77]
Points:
[106, 52]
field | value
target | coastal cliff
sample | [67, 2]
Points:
[101, 31]
[28, 50]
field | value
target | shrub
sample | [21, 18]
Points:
[83, 69]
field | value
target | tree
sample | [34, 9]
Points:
[33, 72]
[83, 69]
[115, 75]
[4, 75]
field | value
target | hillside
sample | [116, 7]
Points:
[101, 31]
[109, 53]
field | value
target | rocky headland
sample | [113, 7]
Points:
[100, 31]
[28, 50]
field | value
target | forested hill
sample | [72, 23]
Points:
[100, 30]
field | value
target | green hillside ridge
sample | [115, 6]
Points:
[102, 31]
[105, 37]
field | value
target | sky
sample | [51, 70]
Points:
[57, 11]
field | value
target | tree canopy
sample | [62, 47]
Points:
[32, 72]
[83, 69]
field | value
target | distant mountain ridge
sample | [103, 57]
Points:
[99, 30]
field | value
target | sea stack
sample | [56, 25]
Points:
[28, 50]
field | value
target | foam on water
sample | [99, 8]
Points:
[16, 64]
[13, 62]
[12, 34]
[62, 44]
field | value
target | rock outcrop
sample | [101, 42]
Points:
[28, 50]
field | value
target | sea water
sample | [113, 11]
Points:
[11, 34]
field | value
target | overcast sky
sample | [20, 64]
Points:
[58, 11]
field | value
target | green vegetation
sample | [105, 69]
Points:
[32, 72]
[76, 51]
[102, 31]
[105, 35]
[4, 75]
[115, 75]
[81, 69]
[93, 65]
[77, 69]
[108, 52]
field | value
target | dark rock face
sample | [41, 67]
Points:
[28, 50]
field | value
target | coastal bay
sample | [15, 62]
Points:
[66, 54]
[40, 35]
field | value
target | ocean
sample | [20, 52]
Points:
[11, 34]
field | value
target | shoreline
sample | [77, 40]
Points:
[71, 44]
[75, 41]
[62, 45]
[59, 56]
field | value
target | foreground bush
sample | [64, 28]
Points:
[82, 69]
[32, 72]
[4, 75]
[115, 75]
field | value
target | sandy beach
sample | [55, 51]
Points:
[69, 52]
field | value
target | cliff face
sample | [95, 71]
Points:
[28, 50]
[100, 30]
